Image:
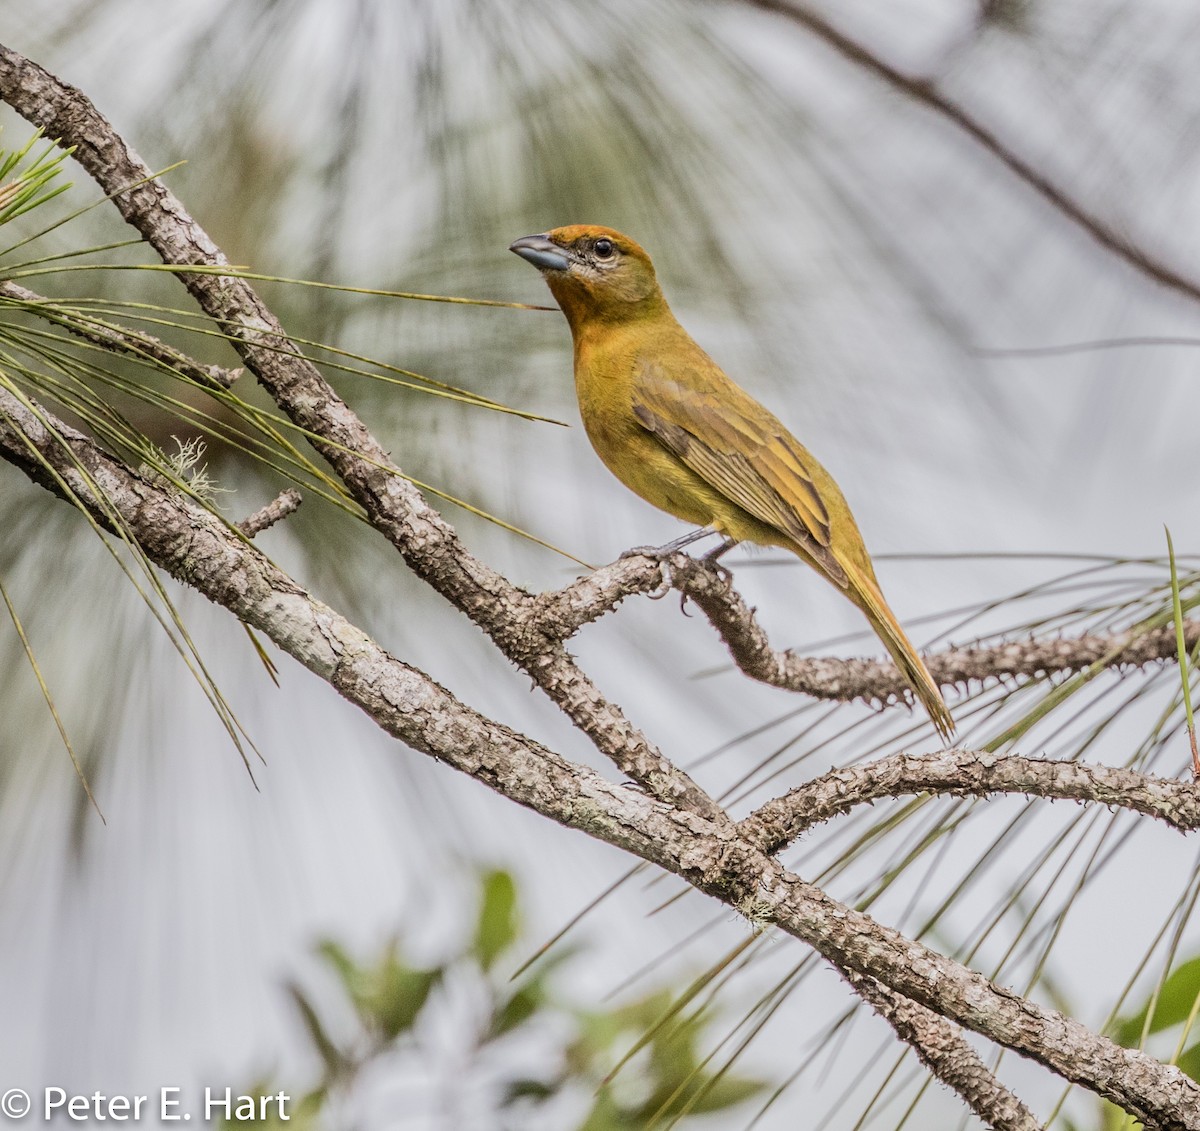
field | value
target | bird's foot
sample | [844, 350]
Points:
[711, 560]
[661, 553]
[720, 551]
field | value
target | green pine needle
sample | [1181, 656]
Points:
[45, 690]
[31, 186]
[1181, 646]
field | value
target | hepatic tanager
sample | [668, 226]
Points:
[673, 428]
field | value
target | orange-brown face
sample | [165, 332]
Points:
[592, 271]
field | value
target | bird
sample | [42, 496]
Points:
[669, 424]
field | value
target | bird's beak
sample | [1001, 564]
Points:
[542, 252]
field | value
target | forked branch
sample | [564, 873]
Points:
[395, 507]
[672, 822]
[567, 610]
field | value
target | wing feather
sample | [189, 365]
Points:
[736, 446]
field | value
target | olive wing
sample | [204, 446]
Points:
[740, 449]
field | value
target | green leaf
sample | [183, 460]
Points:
[527, 1089]
[1189, 1062]
[605, 1115]
[729, 1091]
[41, 682]
[31, 186]
[388, 998]
[334, 1059]
[399, 994]
[1181, 649]
[1175, 1001]
[518, 1009]
[497, 927]
[344, 965]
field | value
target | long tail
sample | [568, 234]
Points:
[869, 598]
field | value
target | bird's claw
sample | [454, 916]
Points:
[661, 553]
[660, 592]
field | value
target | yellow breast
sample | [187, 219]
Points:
[605, 365]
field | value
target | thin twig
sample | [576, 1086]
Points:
[275, 511]
[925, 93]
[974, 773]
[119, 339]
[828, 677]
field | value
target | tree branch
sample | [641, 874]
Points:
[674, 825]
[946, 1053]
[193, 545]
[275, 511]
[926, 94]
[826, 677]
[196, 547]
[973, 773]
[117, 339]
[393, 505]
[529, 630]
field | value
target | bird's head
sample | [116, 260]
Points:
[594, 273]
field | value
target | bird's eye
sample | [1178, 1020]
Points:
[604, 249]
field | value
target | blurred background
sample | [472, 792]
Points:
[849, 253]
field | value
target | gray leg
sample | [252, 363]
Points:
[667, 550]
[726, 545]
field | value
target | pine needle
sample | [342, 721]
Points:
[37, 673]
[1181, 647]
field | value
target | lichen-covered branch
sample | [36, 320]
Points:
[943, 1049]
[193, 545]
[829, 677]
[969, 773]
[710, 853]
[393, 505]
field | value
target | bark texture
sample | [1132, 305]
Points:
[927, 997]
